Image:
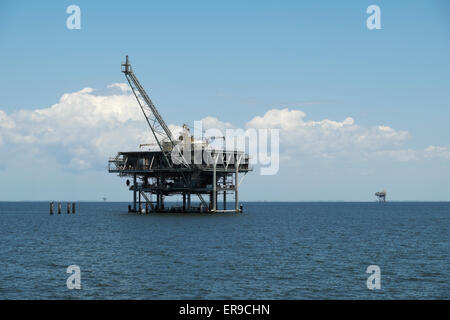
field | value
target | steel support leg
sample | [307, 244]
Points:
[214, 204]
[134, 192]
[236, 187]
[189, 201]
[224, 200]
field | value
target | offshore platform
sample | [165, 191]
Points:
[381, 196]
[181, 166]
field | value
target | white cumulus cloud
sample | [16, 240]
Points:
[86, 127]
[81, 130]
[437, 152]
[327, 138]
[5, 121]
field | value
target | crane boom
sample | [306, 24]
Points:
[160, 130]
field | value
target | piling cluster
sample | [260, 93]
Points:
[70, 207]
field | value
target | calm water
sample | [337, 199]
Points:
[272, 251]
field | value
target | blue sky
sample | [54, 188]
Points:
[234, 60]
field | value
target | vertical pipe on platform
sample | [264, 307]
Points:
[140, 203]
[214, 204]
[184, 202]
[146, 207]
[158, 194]
[158, 204]
[236, 186]
[134, 192]
[210, 201]
[224, 200]
[189, 201]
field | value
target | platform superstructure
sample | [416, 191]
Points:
[381, 196]
[180, 166]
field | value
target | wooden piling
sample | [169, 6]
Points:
[73, 207]
[59, 208]
[51, 207]
[68, 207]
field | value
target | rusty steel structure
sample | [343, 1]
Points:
[181, 167]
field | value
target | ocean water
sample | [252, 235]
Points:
[271, 251]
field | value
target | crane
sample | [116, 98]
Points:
[159, 128]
